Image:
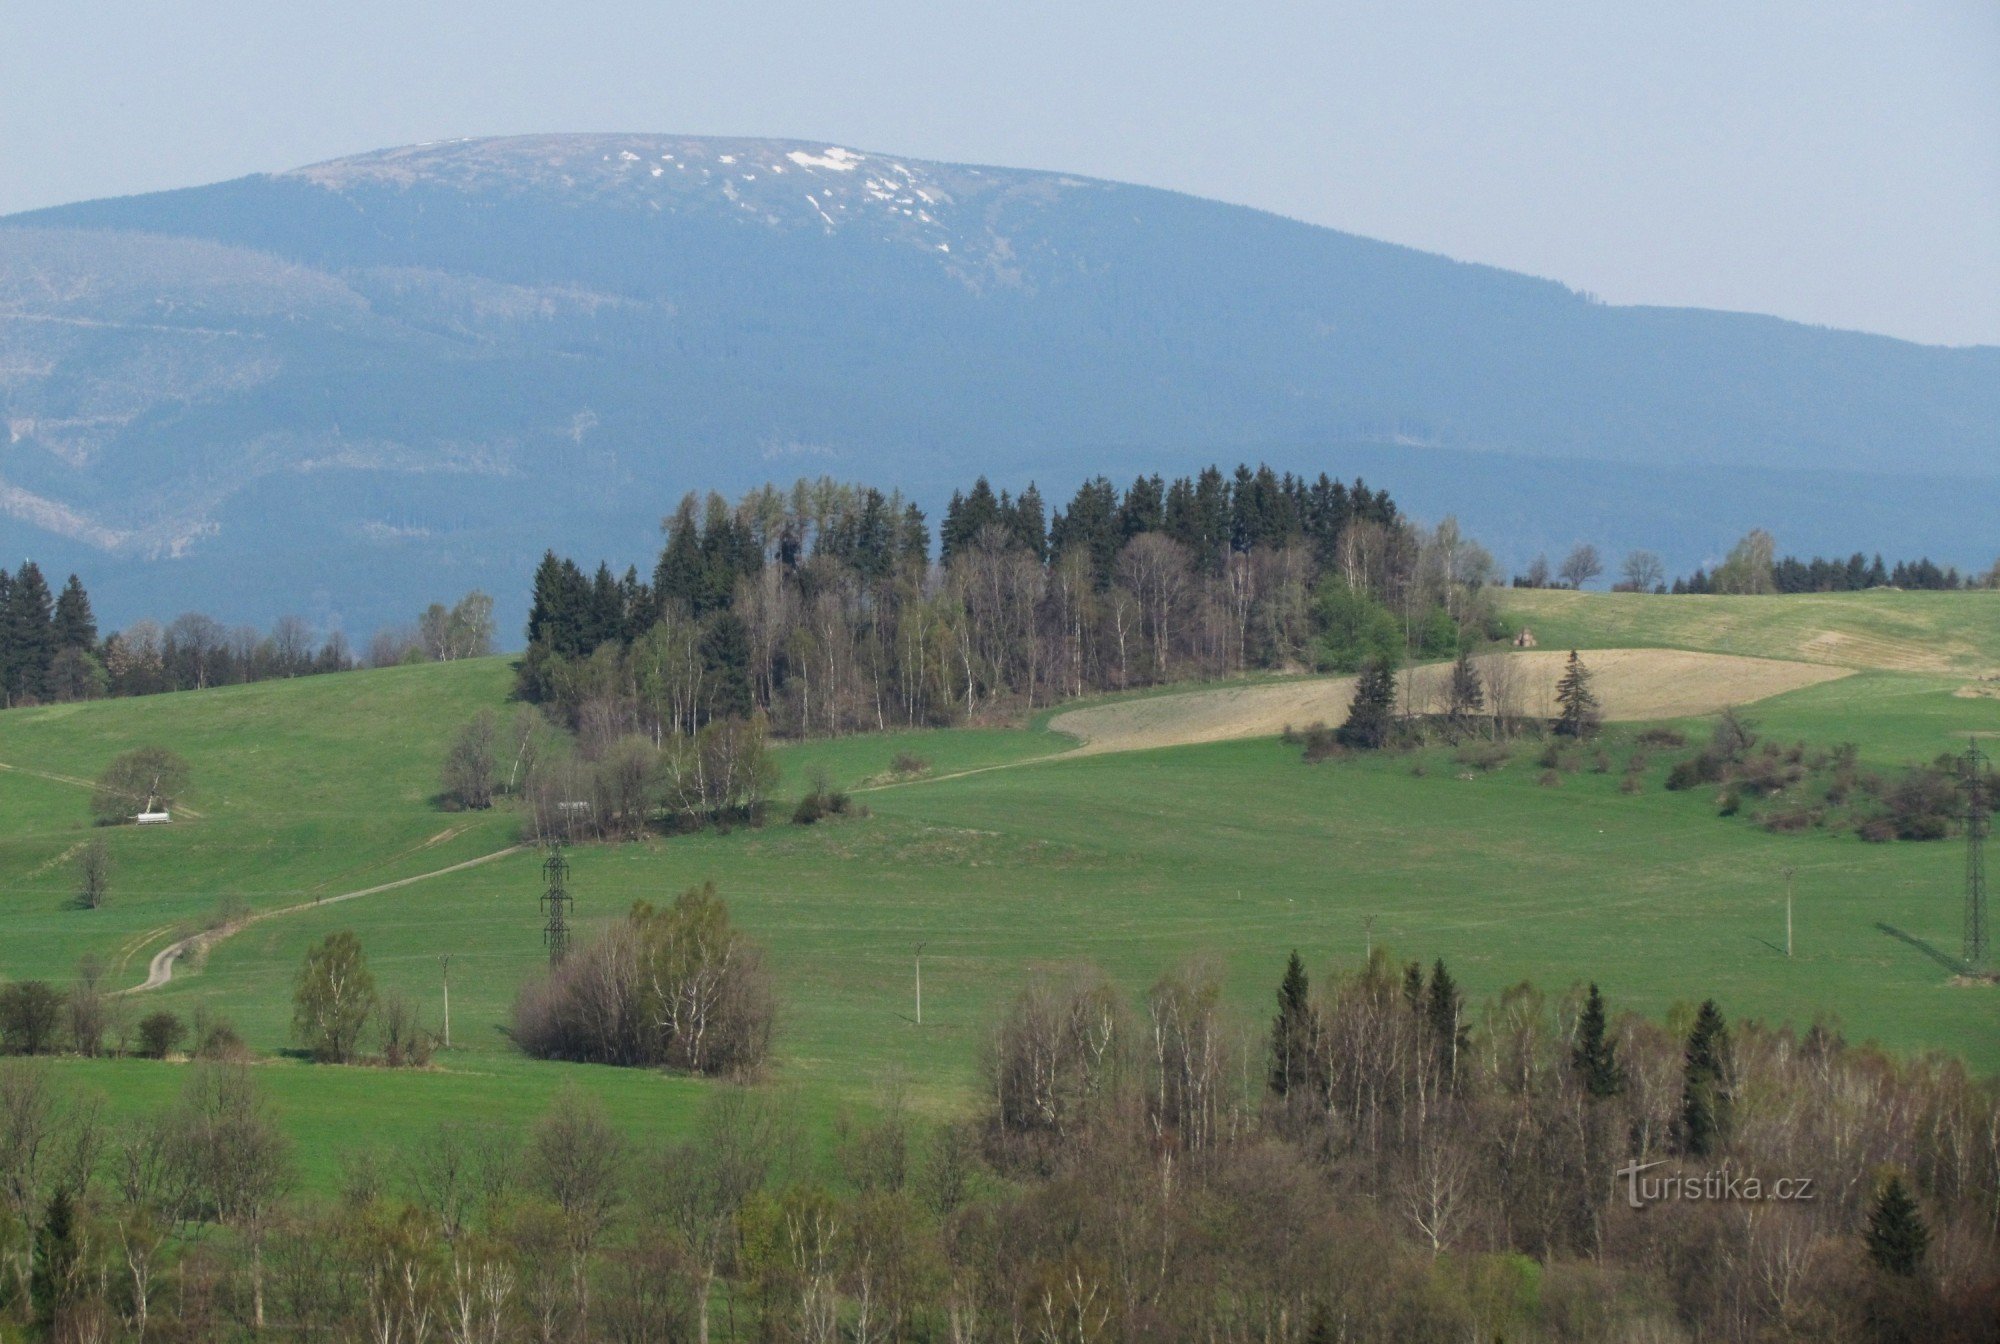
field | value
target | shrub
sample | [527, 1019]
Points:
[1662, 737]
[30, 1017]
[909, 763]
[1696, 770]
[822, 800]
[221, 1041]
[1550, 779]
[1320, 742]
[405, 1043]
[678, 988]
[160, 1034]
[1922, 804]
[1632, 783]
[1484, 755]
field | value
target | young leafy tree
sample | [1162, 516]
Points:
[1581, 565]
[93, 874]
[1595, 1056]
[1748, 566]
[471, 767]
[1371, 717]
[1705, 1098]
[1294, 1031]
[1896, 1236]
[1643, 571]
[135, 780]
[332, 999]
[1577, 712]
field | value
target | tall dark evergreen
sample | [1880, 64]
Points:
[1090, 523]
[1705, 1095]
[27, 635]
[52, 1280]
[1413, 987]
[1577, 712]
[1897, 1238]
[679, 577]
[1466, 693]
[75, 623]
[1595, 1055]
[1371, 716]
[1293, 1031]
[1444, 1015]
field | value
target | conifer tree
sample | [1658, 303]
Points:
[1467, 695]
[1897, 1237]
[1443, 1013]
[27, 635]
[1705, 1101]
[1371, 717]
[1595, 1056]
[52, 1280]
[1578, 714]
[1293, 1030]
[1413, 986]
[75, 624]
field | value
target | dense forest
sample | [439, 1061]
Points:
[823, 609]
[1379, 1160]
[50, 651]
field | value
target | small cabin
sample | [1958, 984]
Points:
[1525, 640]
[160, 818]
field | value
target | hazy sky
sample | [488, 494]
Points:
[1825, 160]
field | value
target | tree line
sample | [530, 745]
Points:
[51, 652]
[1380, 1160]
[1752, 566]
[822, 608]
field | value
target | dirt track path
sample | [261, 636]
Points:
[160, 970]
[1631, 685]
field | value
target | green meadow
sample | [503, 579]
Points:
[1005, 854]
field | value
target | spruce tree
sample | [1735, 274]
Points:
[1443, 1014]
[1704, 1120]
[1292, 1030]
[1897, 1237]
[1467, 695]
[1578, 714]
[678, 577]
[1595, 1057]
[75, 624]
[52, 1280]
[1413, 987]
[1371, 717]
[27, 635]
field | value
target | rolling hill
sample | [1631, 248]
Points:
[313, 803]
[350, 388]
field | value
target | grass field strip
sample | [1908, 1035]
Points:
[160, 970]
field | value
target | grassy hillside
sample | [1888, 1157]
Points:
[1232, 850]
[1947, 633]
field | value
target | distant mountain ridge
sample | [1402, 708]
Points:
[412, 369]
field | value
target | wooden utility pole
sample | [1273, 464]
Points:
[444, 962]
[1789, 870]
[920, 982]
